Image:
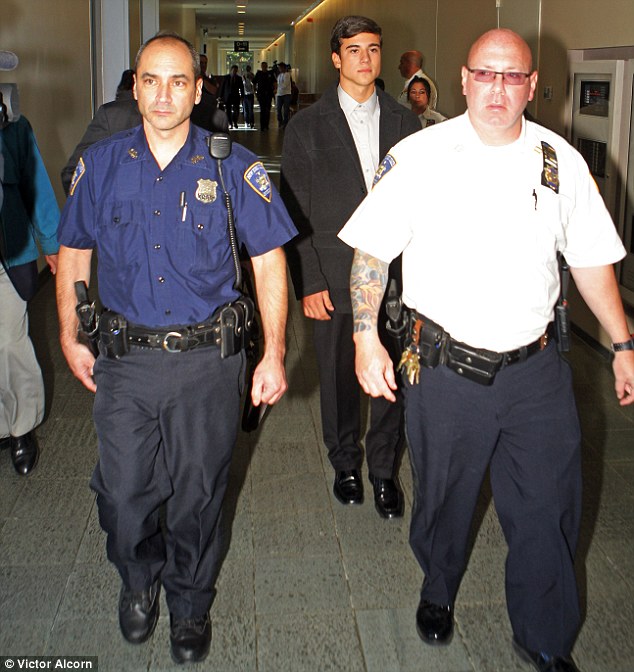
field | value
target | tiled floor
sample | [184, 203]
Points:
[307, 585]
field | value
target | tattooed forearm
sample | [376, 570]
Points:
[368, 280]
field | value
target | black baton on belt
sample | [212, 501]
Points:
[88, 332]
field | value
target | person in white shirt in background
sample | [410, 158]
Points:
[283, 96]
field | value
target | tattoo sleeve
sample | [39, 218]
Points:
[368, 280]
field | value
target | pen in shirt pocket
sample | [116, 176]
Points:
[183, 205]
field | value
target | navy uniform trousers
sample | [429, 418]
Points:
[340, 396]
[167, 425]
[526, 428]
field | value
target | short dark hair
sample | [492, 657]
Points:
[169, 35]
[419, 80]
[349, 26]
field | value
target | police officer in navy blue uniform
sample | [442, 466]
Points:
[151, 202]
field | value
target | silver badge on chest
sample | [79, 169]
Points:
[206, 191]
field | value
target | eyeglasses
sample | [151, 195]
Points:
[417, 93]
[488, 76]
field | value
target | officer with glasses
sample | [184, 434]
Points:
[487, 388]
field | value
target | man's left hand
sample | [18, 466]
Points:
[269, 381]
[623, 366]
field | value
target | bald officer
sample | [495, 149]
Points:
[480, 276]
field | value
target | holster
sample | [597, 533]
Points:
[397, 325]
[431, 344]
[236, 324]
[113, 335]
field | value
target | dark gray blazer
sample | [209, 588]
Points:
[109, 119]
[322, 184]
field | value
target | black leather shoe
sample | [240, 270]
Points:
[388, 498]
[190, 639]
[348, 487]
[543, 662]
[24, 453]
[434, 623]
[139, 612]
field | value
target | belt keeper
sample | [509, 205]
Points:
[543, 340]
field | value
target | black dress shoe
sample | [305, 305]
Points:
[348, 487]
[434, 623]
[388, 498]
[190, 639]
[24, 453]
[139, 612]
[543, 662]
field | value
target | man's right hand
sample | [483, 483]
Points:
[373, 366]
[317, 306]
[81, 362]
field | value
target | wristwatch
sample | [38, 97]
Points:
[625, 345]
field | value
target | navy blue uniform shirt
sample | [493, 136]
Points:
[161, 235]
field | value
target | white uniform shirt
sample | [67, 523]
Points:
[430, 117]
[363, 120]
[480, 236]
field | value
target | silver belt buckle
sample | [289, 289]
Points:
[165, 343]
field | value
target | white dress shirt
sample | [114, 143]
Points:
[363, 120]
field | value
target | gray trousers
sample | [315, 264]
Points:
[21, 384]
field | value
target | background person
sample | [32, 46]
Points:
[264, 82]
[411, 65]
[29, 217]
[283, 91]
[418, 95]
[232, 92]
[249, 97]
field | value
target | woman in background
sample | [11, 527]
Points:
[420, 99]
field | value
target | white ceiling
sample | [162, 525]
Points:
[264, 19]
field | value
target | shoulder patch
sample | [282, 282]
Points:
[386, 165]
[258, 179]
[80, 170]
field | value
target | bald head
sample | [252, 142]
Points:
[496, 105]
[501, 40]
[411, 62]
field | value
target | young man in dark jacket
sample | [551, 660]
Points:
[331, 152]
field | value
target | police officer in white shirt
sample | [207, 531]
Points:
[480, 274]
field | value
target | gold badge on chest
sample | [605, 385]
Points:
[206, 191]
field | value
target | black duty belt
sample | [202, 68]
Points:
[179, 339]
[523, 353]
[430, 345]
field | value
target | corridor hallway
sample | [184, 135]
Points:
[308, 585]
